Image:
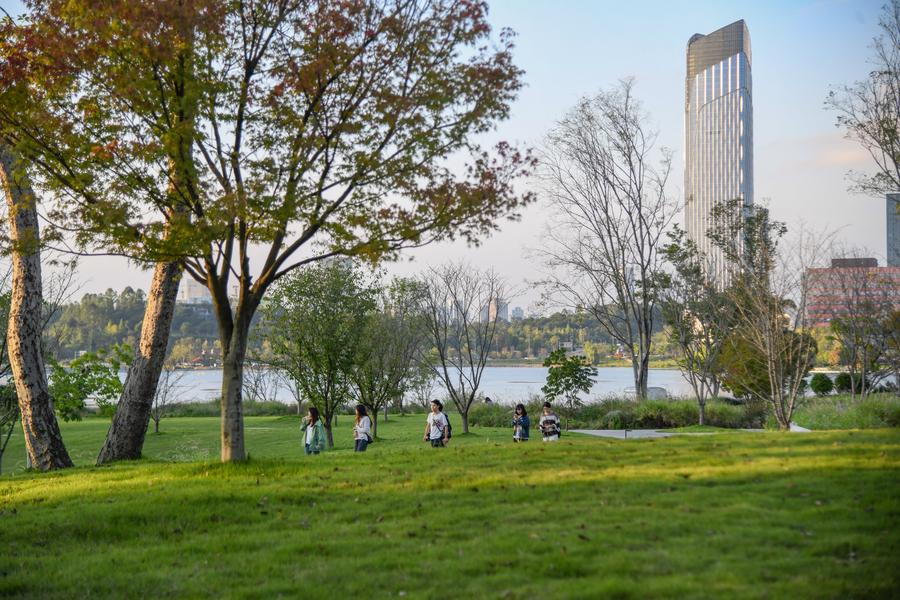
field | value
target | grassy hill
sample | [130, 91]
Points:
[728, 515]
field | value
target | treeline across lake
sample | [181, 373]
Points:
[102, 320]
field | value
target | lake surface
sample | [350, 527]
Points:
[501, 384]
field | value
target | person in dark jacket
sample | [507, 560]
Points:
[521, 424]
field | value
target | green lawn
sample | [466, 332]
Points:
[730, 515]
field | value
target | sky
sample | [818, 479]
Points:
[573, 48]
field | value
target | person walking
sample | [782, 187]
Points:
[362, 430]
[437, 427]
[521, 424]
[314, 440]
[549, 424]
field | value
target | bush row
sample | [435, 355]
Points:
[613, 413]
[213, 408]
[840, 412]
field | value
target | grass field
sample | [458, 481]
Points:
[736, 515]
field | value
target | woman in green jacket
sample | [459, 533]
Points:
[314, 440]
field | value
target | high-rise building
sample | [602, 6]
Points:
[496, 309]
[192, 292]
[718, 132]
[892, 219]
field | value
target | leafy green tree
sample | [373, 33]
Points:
[393, 338]
[768, 288]
[93, 375]
[700, 317]
[315, 320]
[568, 377]
[191, 132]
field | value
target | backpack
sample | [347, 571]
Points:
[449, 427]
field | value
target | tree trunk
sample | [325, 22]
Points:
[43, 439]
[375, 424]
[639, 366]
[465, 420]
[125, 438]
[329, 435]
[702, 405]
[155, 425]
[643, 376]
[232, 438]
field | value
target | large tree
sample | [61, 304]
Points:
[40, 88]
[214, 132]
[609, 194]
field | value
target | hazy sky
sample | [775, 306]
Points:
[572, 48]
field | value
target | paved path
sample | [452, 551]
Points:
[637, 434]
[625, 434]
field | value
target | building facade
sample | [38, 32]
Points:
[718, 133]
[892, 219]
[192, 292]
[851, 287]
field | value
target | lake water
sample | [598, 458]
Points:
[501, 384]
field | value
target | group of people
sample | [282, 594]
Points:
[437, 427]
[313, 430]
[548, 424]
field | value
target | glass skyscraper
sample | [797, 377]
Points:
[718, 132]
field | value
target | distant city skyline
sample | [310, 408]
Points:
[575, 48]
[718, 133]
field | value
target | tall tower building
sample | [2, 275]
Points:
[892, 218]
[718, 132]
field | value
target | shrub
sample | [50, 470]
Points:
[839, 412]
[843, 383]
[723, 414]
[489, 415]
[654, 414]
[212, 408]
[821, 384]
[605, 413]
[616, 419]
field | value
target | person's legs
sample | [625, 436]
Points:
[438, 443]
[360, 445]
